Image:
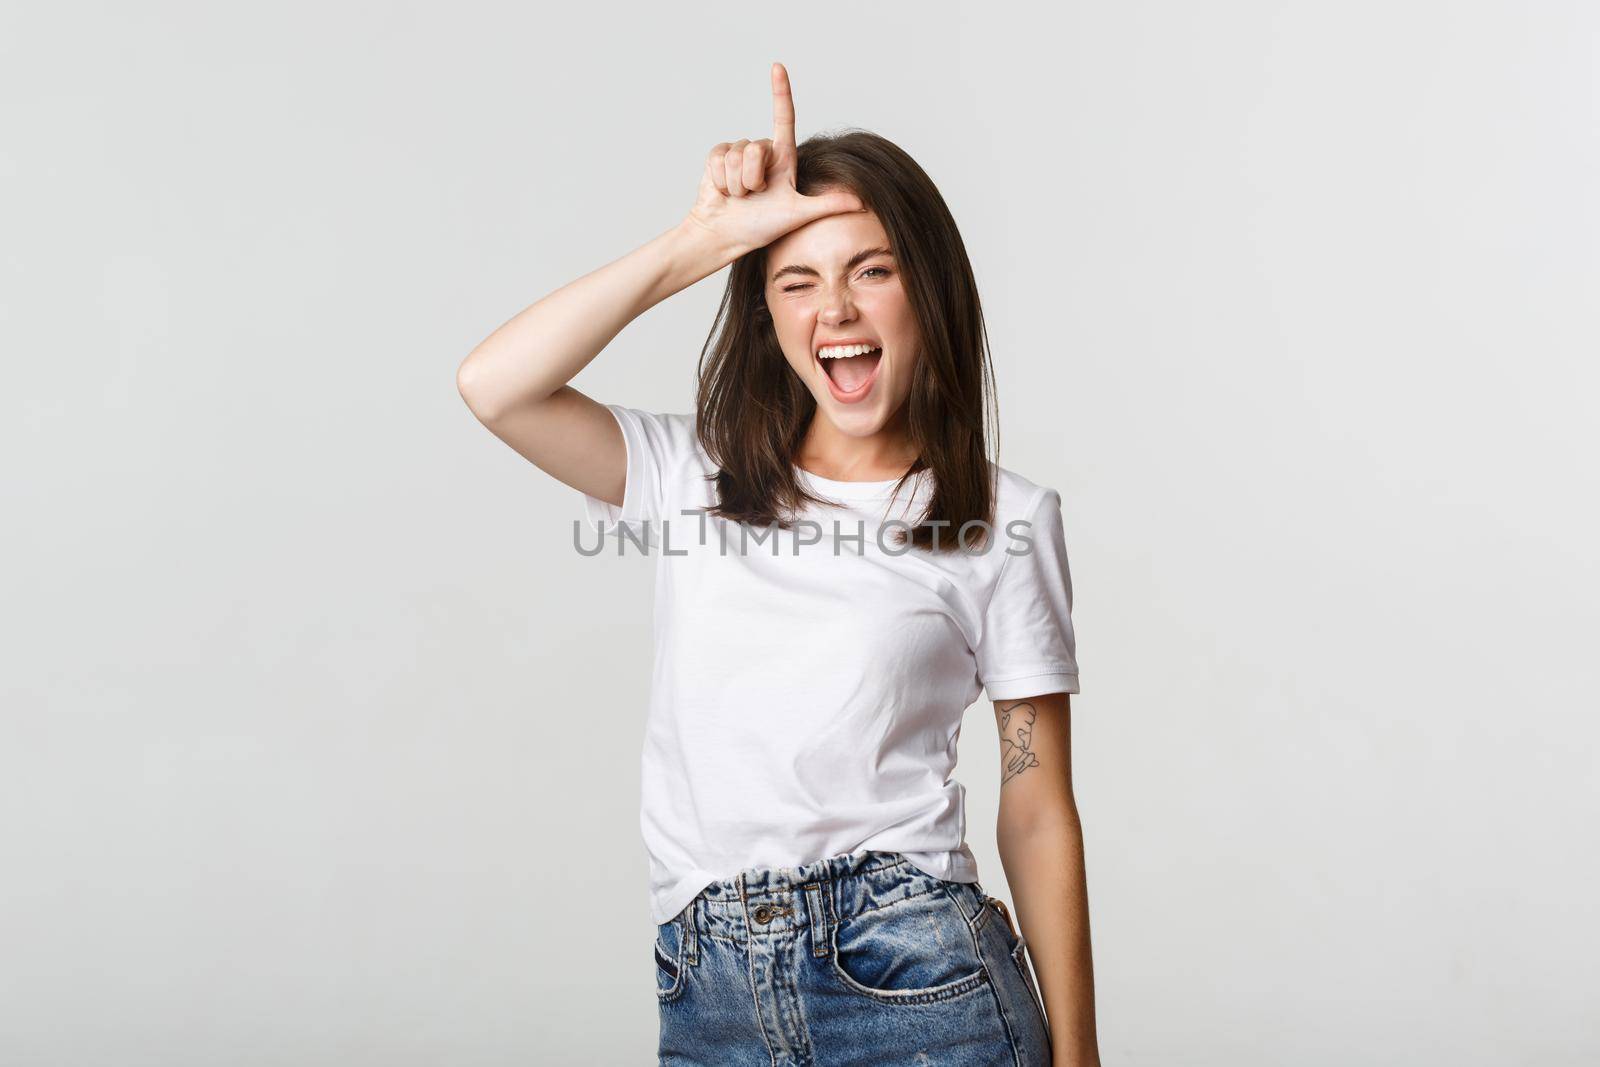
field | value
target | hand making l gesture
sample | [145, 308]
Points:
[747, 195]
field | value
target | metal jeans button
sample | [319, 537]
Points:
[762, 913]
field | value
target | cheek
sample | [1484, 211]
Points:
[792, 324]
[892, 312]
[789, 317]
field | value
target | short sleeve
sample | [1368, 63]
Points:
[1027, 647]
[658, 446]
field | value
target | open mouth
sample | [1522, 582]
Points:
[850, 367]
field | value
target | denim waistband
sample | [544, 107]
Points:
[774, 901]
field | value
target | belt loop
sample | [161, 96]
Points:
[818, 908]
[688, 935]
[691, 935]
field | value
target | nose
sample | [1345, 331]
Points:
[836, 307]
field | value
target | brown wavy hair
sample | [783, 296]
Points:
[752, 410]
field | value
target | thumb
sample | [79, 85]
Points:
[832, 203]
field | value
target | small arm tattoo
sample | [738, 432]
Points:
[1016, 739]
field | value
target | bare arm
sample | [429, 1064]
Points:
[1041, 849]
[515, 380]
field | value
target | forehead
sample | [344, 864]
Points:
[828, 241]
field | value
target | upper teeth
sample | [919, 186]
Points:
[843, 351]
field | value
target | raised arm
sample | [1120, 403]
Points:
[515, 380]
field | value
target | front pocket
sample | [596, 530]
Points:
[910, 952]
[667, 966]
[669, 959]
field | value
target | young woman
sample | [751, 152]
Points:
[842, 570]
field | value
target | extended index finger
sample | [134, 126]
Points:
[782, 107]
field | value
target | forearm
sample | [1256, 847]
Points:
[1044, 865]
[549, 342]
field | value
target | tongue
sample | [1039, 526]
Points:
[852, 373]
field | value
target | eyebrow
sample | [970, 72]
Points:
[811, 272]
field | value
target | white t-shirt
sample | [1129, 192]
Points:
[807, 703]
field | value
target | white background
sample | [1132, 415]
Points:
[320, 743]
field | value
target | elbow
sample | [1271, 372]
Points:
[491, 394]
[474, 390]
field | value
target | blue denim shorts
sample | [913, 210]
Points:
[861, 959]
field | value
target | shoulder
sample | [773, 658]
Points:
[1017, 497]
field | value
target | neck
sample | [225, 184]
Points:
[829, 453]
